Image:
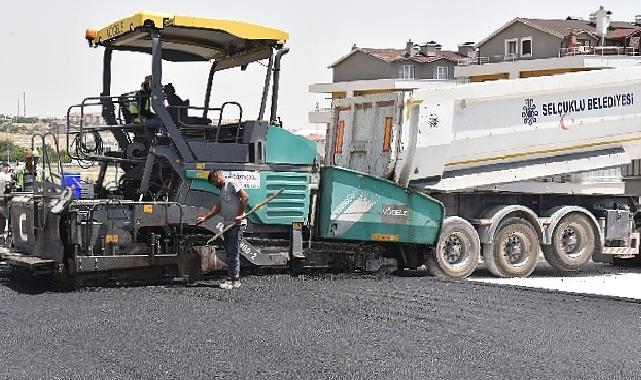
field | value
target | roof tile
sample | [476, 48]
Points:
[393, 55]
[617, 30]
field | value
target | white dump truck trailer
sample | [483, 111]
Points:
[521, 166]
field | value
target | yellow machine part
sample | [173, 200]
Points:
[239, 29]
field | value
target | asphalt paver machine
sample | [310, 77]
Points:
[143, 226]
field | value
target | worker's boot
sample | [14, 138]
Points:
[231, 284]
[228, 284]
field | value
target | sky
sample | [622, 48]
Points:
[45, 55]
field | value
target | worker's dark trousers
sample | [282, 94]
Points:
[3, 223]
[232, 239]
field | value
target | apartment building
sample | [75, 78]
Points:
[364, 71]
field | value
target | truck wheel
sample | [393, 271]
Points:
[572, 243]
[515, 249]
[457, 251]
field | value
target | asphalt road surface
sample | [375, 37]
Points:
[325, 326]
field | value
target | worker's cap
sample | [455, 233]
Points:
[30, 153]
[4, 163]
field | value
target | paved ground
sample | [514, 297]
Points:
[596, 279]
[342, 326]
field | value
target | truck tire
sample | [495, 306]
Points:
[457, 251]
[514, 251]
[573, 243]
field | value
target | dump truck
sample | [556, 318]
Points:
[142, 226]
[522, 166]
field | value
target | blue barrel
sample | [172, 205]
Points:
[72, 178]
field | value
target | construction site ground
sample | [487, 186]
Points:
[322, 326]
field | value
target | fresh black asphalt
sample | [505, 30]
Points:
[314, 327]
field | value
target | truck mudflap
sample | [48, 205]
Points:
[361, 207]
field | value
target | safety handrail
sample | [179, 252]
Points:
[219, 125]
[98, 101]
[179, 117]
[240, 118]
[45, 161]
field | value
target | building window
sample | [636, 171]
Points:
[406, 72]
[586, 43]
[441, 73]
[526, 47]
[511, 47]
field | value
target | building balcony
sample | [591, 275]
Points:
[524, 68]
[476, 61]
[596, 51]
[378, 85]
[320, 116]
[599, 51]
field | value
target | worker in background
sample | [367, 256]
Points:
[141, 108]
[5, 187]
[177, 106]
[231, 206]
[5, 178]
[26, 174]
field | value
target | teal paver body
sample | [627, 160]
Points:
[361, 207]
[284, 147]
[291, 206]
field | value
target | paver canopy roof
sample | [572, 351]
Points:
[187, 38]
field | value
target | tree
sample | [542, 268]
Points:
[64, 156]
[53, 155]
[14, 151]
[17, 153]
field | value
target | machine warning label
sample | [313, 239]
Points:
[385, 237]
[396, 214]
[248, 180]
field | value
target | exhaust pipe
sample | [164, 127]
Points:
[279, 55]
